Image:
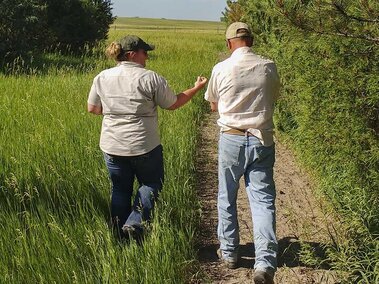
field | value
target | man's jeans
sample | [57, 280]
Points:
[245, 155]
[148, 168]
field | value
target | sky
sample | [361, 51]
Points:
[208, 10]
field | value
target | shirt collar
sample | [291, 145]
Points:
[240, 51]
[129, 64]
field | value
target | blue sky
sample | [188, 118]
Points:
[209, 10]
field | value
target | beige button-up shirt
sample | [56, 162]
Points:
[245, 86]
[129, 95]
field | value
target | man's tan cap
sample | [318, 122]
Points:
[238, 29]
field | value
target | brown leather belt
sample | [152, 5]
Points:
[239, 132]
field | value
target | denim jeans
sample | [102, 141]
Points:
[245, 155]
[148, 169]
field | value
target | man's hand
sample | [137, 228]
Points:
[214, 106]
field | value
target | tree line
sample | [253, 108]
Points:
[32, 26]
[327, 54]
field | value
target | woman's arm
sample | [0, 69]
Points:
[98, 110]
[187, 95]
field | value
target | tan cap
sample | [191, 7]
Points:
[238, 29]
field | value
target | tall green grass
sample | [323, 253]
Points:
[55, 190]
[167, 24]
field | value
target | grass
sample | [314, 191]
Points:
[167, 24]
[54, 185]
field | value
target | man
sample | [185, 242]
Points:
[243, 89]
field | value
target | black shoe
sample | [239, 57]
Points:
[262, 277]
[134, 232]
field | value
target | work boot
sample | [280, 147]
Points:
[262, 277]
[229, 262]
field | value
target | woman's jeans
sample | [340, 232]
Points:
[148, 169]
[246, 156]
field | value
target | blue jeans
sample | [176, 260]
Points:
[245, 155]
[148, 169]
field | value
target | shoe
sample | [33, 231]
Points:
[134, 232]
[262, 277]
[230, 263]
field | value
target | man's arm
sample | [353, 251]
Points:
[214, 106]
[211, 94]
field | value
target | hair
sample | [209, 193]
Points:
[115, 51]
[249, 40]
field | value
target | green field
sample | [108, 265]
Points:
[55, 190]
[166, 24]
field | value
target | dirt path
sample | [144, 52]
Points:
[300, 221]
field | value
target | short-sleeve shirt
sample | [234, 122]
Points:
[245, 86]
[129, 95]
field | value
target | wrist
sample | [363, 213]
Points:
[196, 88]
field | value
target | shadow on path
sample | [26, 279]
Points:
[288, 254]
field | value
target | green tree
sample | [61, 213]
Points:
[33, 26]
[22, 27]
[77, 23]
[234, 12]
[344, 18]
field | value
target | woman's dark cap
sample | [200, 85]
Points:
[134, 43]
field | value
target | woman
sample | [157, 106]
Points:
[127, 96]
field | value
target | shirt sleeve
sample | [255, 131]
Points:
[275, 81]
[164, 96]
[211, 94]
[93, 97]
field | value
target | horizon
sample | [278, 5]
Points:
[169, 19]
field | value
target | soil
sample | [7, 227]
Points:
[302, 227]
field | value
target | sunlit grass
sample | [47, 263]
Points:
[54, 186]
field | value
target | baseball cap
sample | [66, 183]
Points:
[134, 43]
[238, 29]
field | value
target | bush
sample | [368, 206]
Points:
[328, 58]
[23, 27]
[31, 26]
[76, 24]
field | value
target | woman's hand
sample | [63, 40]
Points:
[200, 82]
[186, 95]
